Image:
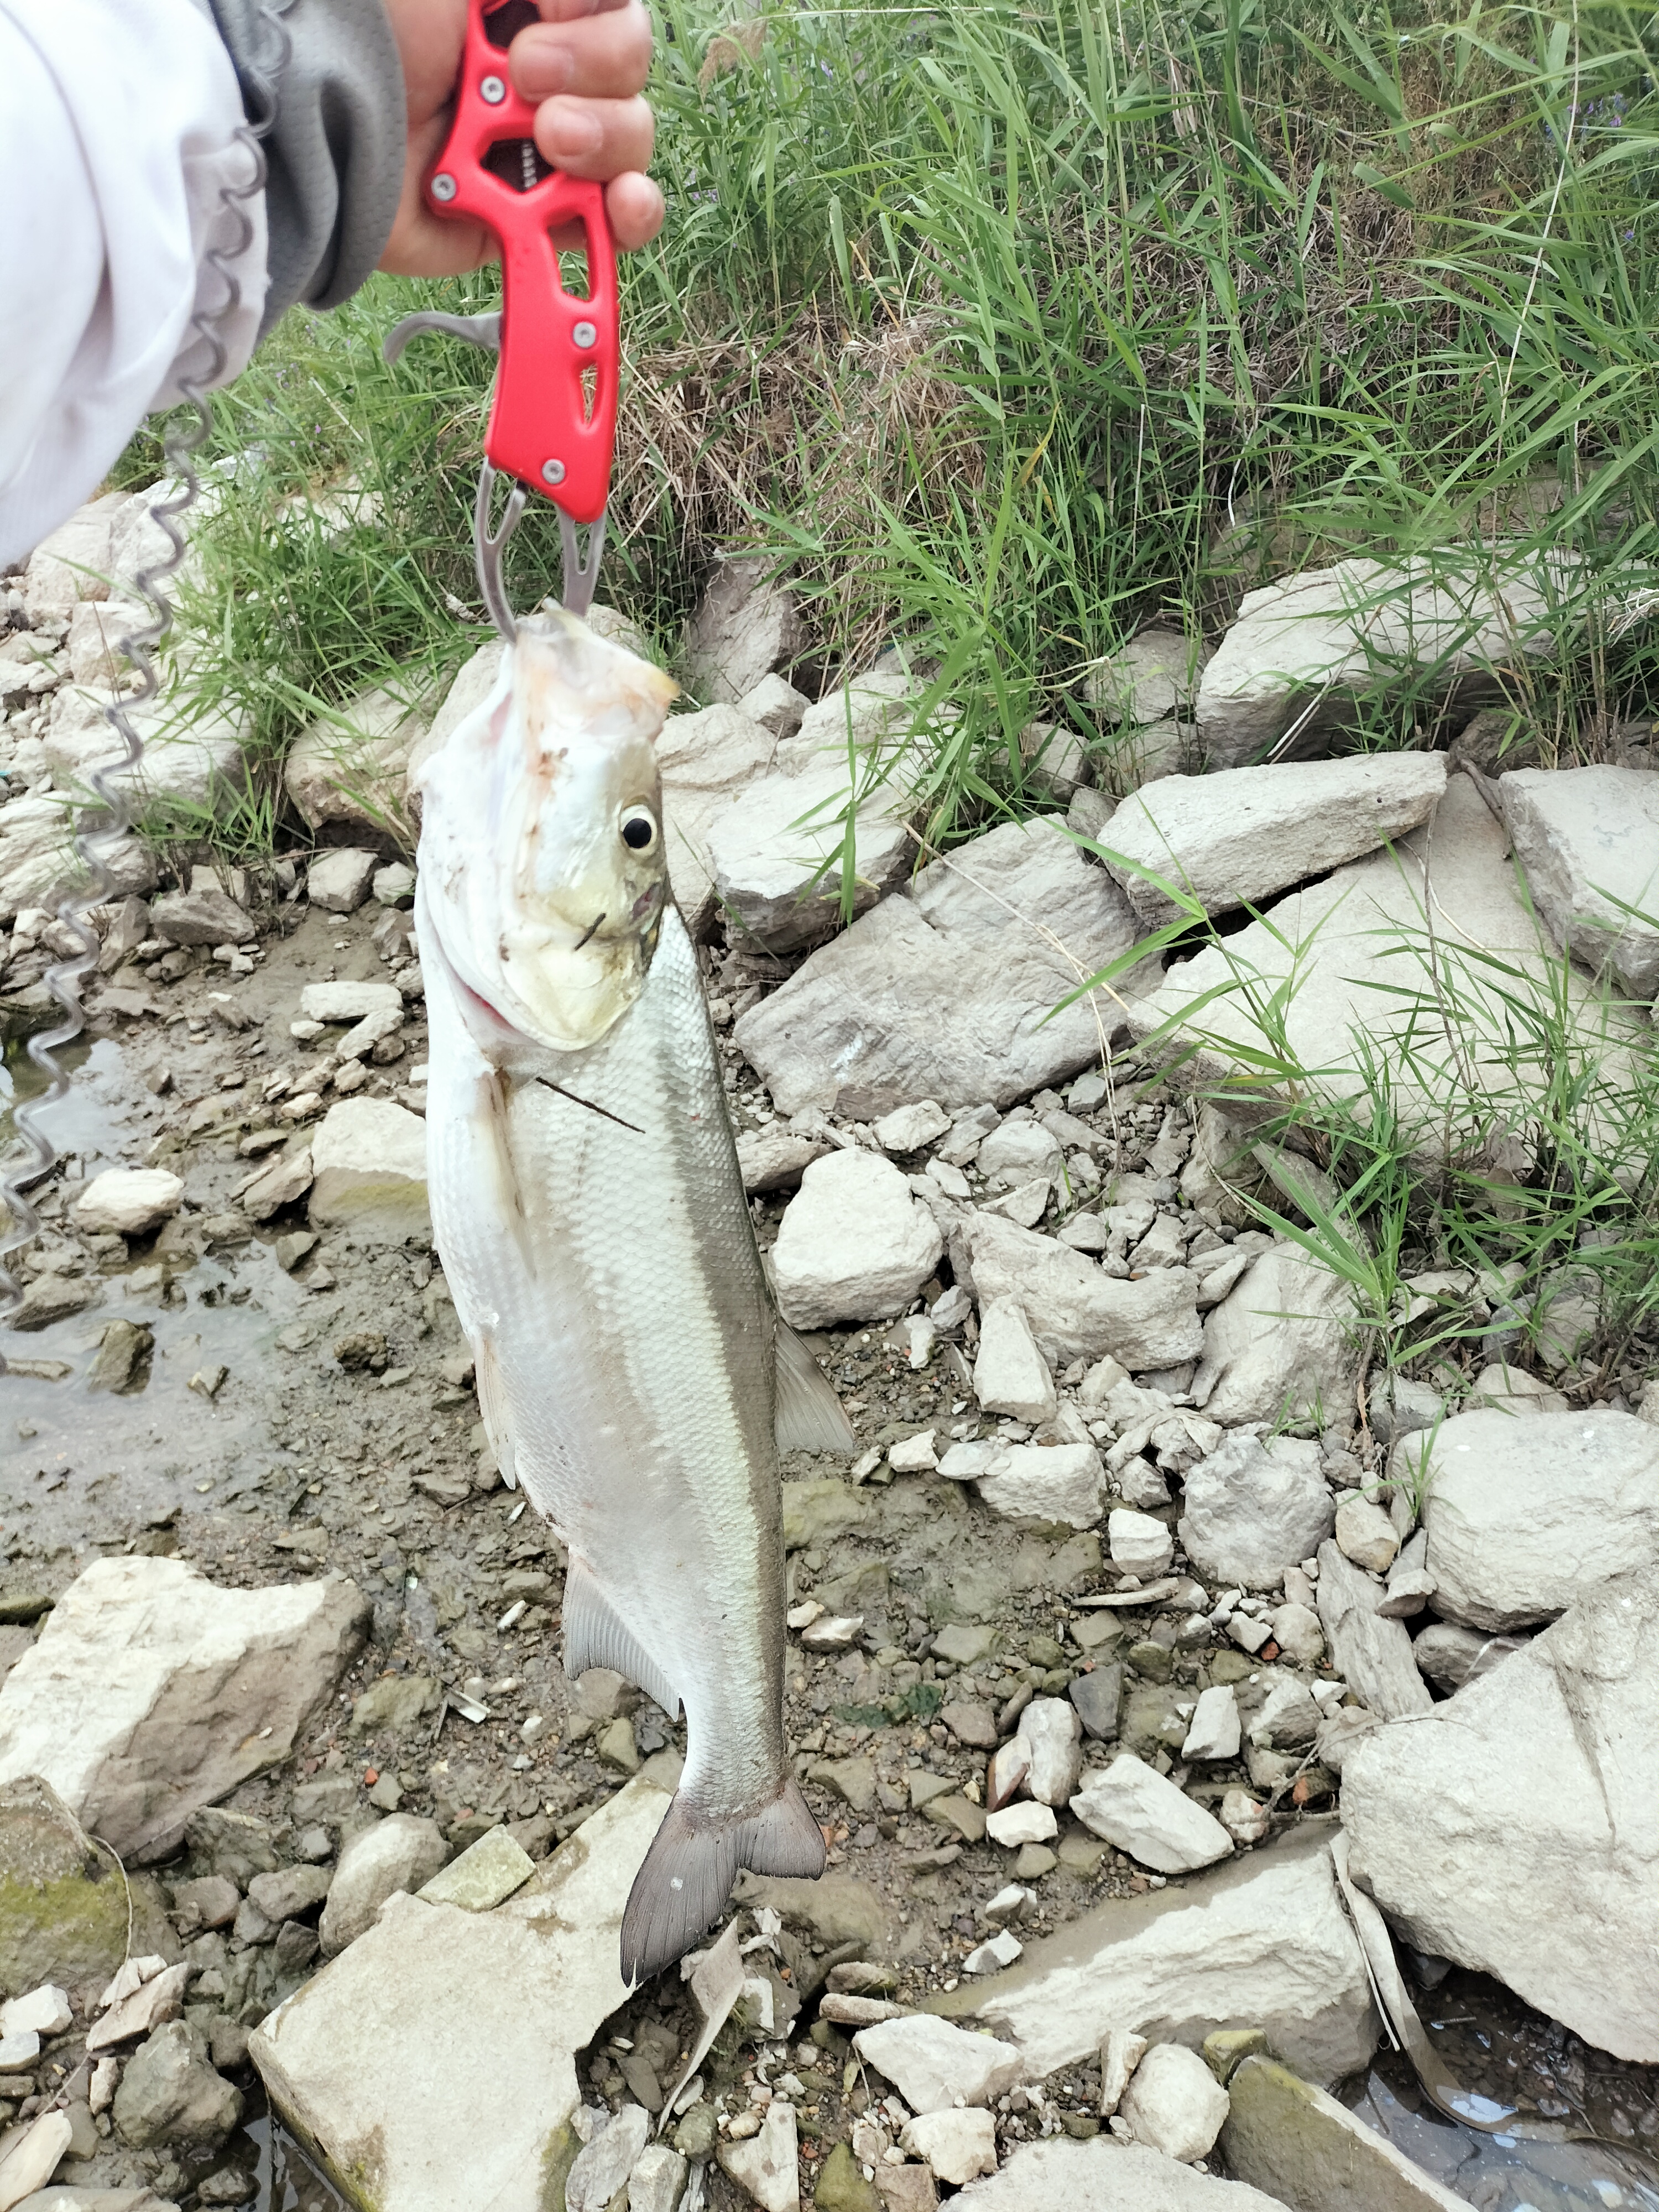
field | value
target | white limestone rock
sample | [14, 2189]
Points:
[1174, 2103]
[1237, 838]
[1588, 840]
[1282, 1343]
[747, 625]
[1360, 981]
[775, 850]
[132, 1201]
[957, 2145]
[1524, 1517]
[1140, 1544]
[1045, 1483]
[369, 1162]
[707, 760]
[1104, 2176]
[1053, 1735]
[150, 1693]
[1011, 1376]
[932, 2063]
[363, 2064]
[1254, 1508]
[1512, 1827]
[338, 880]
[946, 990]
[1214, 1730]
[1371, 1653]
[1083, 1312]
[349, 770]
[399, 1853]
[1261, 1943]
[73, 563]
[853, 1244]
[1136, 1809]
[1305, 650]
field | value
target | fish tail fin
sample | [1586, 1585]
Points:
[681, 1889]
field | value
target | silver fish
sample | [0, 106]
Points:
[633, 1375]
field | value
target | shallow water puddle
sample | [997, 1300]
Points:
[1499, 2049]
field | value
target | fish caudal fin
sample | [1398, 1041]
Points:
[682, 1889]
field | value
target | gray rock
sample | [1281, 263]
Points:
[1588, 840]
[349, 1001]
[776, 853]
[1084, 1313]
[945, 991]
[393, 884]
[170, 2093]
[1309, 649]
[1262, 1943]
[400, 1853]
[1281, 1344]
[338, 880]
[1365, 1533]
[775, 1159]
[1372, 1654]
[1285, 2134]
[1357, 950]
[347, 771]
[62, 1910]
[1104, 2176]
[287, 1179]
[1098, 1697]
[776, 705]
[1156, 675]
[658, 2180]
[1136, 1809]
[1400, 1407]
[1011, 1376]
[852, 1245]
[365, 2063]
[1450, 1656]
[206, 916]
[1174, 2103]
[604, 2164]
[1512, 1829]
[369, 1169]
[73, 563]
[706, 761]
[117, 1707]
[747, 625]
[191, 753]
[40, 866]
[286, 1893]
[1253, 1510]
[1235, 839]
[1016, 1150]
[1525, 1517]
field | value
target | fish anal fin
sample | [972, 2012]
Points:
[594, 1637]
[492, 1406]
[681, 1889]
[809, 1415]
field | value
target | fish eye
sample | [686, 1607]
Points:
[639, 829]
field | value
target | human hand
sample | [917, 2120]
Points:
[586, 63]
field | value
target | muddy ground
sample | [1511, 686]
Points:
[306, 1409]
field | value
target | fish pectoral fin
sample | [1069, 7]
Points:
[682, 1889]
[594, 1637]
[492, 1405]
[809, 1415]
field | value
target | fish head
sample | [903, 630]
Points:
[552, 850]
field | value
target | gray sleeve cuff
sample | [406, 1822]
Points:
[336, 151]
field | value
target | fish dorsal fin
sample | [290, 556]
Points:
[492, 1405]
[809, 1413]
[594, 1637]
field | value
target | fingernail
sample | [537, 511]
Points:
[542, 62]
[568, 132]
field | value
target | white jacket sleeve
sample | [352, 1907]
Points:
[128, 183]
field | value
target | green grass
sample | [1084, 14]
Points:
[1009, 329]
[1013, 327]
